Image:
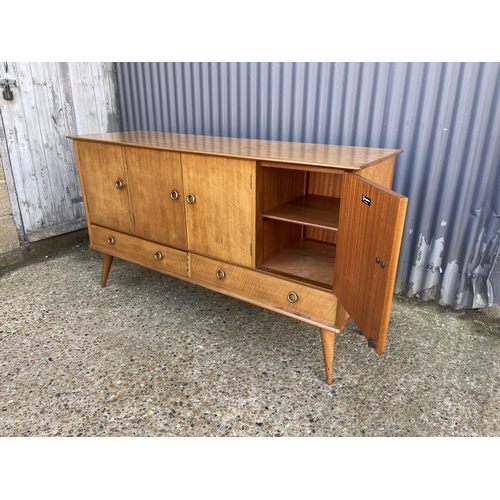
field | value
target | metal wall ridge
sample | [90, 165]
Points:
[445, 116]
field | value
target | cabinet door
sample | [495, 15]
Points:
[156, 195]
[220, 209]
[369, 238]
[105, 186]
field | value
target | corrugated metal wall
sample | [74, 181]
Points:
[446, 116]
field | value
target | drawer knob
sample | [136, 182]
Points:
[292, 297]
[220, 274]
[111, 240]
[158, 256]
[119, 184]
[174, 195]
[191, 198]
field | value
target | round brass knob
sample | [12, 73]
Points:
[191, 198]
[292, 297]
[174, 195]
[220, 274]
[158, 256]
[111, 240]
[119, 184]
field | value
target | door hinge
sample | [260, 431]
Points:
[8, 81]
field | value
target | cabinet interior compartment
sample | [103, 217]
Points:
[299, 214]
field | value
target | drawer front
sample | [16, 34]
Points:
[300, 300]
[142, 252]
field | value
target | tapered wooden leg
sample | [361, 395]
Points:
[328, 344]
[107, 260]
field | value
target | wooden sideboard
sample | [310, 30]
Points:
[310, 231]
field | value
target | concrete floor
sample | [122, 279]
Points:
[150, 355]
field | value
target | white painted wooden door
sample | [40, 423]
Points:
[51, 101]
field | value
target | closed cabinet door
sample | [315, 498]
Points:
[156, 195]
[220, 206]
[105, 186]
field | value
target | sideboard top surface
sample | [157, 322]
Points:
[320, 155]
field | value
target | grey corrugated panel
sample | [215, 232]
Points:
[446, 116]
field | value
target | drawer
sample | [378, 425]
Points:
[145, 253]
[257, 287]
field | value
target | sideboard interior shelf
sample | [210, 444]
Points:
[311, 231]
[310, 210]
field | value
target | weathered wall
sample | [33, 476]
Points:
[51, 101]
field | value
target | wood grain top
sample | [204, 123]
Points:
[321, 155]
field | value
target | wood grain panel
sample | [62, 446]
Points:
[381, 172]
[153, 175]
[281, 186]
[278, 235]
[276, 186]
[368, 232]
[324, 155]
[101, 166]
[307, 260]
[140, 251]
[325, 184]
[326, 235]
[312, 304]
[311, 210]
[221, 222]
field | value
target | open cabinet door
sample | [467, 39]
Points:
[369, 239]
